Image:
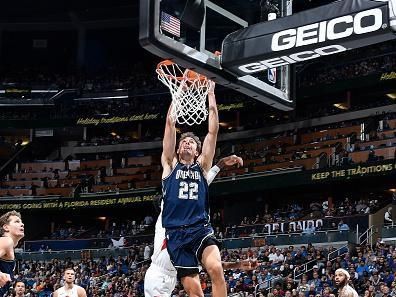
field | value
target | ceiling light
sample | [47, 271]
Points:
[341, 106]
[391, 95]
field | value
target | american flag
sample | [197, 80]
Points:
[170, 24]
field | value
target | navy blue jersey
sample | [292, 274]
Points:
[7, 266]
[186, 197]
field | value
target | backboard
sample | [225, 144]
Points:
[257, 55]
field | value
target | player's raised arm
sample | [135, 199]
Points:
[209, 144]
[168, 145]
[229, 161]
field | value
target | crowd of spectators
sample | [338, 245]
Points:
[136, 78]
[131, 77]
[68, 232]
[112, 229]
[275, 152]
[259, 225]
[107, 276]
[281, 272]
[124, 228]
[342, 72]
[350, 65]
[372, 271]
[147, 95]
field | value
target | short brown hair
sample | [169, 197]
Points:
[193, 136]
[69, 268]
[5, 219]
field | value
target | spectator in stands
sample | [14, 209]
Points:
[148, 220]
[245, 222]
[371, 156]
[253, 233]
[219, 233]
[343, 226]
[388, 217]
[257, 220]
[147, 252]
[303, 287]
[310, 229]
[276, 257]
[361, 206]
[20, 289]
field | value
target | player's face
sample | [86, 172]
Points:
[20, 288]
[70, 276]
[15, 227]
[340, 279]
[188, 147]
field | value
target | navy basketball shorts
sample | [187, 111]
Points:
[185, 247]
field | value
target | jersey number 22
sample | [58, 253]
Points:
[188, 190]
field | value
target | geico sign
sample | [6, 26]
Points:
[326, 30]
[293, 58]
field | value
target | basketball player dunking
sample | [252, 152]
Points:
[12, 230]
[160, 279]
[185, 216]
[341, 281]
[70, 289]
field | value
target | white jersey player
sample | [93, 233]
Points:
[342, 278]
[161, 277]
[70, 289]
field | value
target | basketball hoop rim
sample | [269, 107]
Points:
[187, 74]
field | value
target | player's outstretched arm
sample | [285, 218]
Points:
[168, 145]
[229, 161]
[249, 264]
[209, 144]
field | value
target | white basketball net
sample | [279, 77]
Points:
[188, 89]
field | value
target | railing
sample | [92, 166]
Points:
[256, 289]
[389, 232]
[339, 252]
[366, 237]
[308, 266]
[287, 239]
[269, 286]
[72, 254]
[11, 161]
[297, 271]
[81, 244]
[294, 226]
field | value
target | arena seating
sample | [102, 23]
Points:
[298, 149]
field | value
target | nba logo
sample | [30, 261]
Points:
[272, 75]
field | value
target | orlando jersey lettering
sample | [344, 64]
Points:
[186, 197]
